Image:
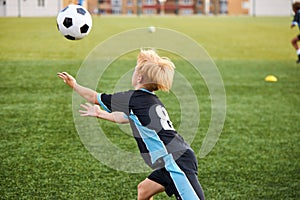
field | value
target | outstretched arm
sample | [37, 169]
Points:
[86, 93]
[95, 111]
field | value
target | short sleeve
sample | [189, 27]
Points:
[104, 101]
[115, 102]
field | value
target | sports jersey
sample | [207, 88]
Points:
[159, 144]
[150, 124]
[296, 19]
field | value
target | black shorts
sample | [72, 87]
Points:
[188, 165]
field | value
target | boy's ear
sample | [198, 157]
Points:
[139, 78]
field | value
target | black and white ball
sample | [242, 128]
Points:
[74, 22]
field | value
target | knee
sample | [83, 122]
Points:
[142, 191]
[294, 40]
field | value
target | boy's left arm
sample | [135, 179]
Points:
[95, 111]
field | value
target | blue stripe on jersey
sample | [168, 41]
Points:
[183, 186]
[103, 106]
[145, 90]
[153, 143]
[158, 150]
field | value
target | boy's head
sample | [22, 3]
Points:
[296, 6]
[156, 73]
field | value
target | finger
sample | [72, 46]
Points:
[82, 111]
[68, 76]
[88, 104]
[61, 74]
[65, 73]
[62, 77]
[84, 114]
[84, 106]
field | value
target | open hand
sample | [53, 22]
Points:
[90, 110]
[67, 78]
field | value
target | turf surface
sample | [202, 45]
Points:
[256, 157]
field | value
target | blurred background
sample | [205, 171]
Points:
[29, 8]
[257, 154]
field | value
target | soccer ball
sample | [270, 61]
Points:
[74, 22]
[151, 29]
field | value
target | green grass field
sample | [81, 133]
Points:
[257, 154]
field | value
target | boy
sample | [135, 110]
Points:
[296, 21]
[162, 148]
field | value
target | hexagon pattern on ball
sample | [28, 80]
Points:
[74, 22]
[68, 22]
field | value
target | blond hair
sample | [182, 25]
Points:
[157, 72]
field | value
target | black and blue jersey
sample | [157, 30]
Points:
[158, 142]
[150, 124]
[296, 19]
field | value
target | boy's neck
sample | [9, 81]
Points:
[145, 90]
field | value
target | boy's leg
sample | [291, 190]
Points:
[296, 46]
[148, 188]
[295, 43]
